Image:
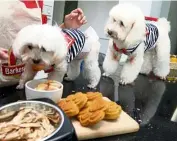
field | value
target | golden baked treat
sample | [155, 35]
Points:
[84, 119]
[91, 108]
[93, 95]
[83, 111]
[50, 88]
[87, 118]
[79, 98]
[55, 84]
[49, 85]
[88, 104]
[70, 108]
[70, 97]
[42, 87]
[38, 67]
[113, 111]
[96, 117]
[50, 81]
[98, 104]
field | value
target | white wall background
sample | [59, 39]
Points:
[172, 17]
[144, 5]
[97, 14]
[58, 11]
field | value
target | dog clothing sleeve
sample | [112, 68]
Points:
[151, 37]
[77, 45]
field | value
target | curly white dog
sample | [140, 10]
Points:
[147, 45]
[60, 50]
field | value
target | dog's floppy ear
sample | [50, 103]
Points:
[23, 37]
[18, 48]
[60, 51]
[137, 31]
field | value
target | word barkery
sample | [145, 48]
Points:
[12, 70]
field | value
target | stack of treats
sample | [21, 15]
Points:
[89, 108]
[48, 85]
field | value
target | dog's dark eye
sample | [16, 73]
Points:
[121, 23]
[114, 20]
[30, 47]
[43, 49]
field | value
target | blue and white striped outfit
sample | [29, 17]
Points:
[78, 44]
[151, 39]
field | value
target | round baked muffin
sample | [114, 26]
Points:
[113, 111]
[69, 108]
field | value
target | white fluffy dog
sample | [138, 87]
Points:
[46, 45]
[147, 45]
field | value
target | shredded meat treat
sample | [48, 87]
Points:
[28, 125]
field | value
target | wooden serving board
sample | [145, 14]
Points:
[125, 124]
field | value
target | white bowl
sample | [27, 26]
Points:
[32, 93]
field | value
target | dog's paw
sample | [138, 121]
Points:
[105, 74]
[68, 79]
[160, 74]
[20, 86]
[124, 80]
[91, 86]
[121, 82]
[161, 77]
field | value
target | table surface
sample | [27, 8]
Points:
[150, 102]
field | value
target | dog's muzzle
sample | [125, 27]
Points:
[36, 61]
[112, 33]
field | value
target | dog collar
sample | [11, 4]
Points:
[123, 50]
[50, 69]
[127, 51]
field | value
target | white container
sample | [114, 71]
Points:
[32, 93]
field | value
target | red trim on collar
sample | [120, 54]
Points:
[151, 18]
[69, 40]
[147, 32]
[49, 70]
[123, 50]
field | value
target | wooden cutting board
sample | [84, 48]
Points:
[125, 124]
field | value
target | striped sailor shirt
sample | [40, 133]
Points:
[151, 37]
[76, 41]
[150, 41]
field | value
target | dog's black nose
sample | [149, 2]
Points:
[110, 32]
[36, 61]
